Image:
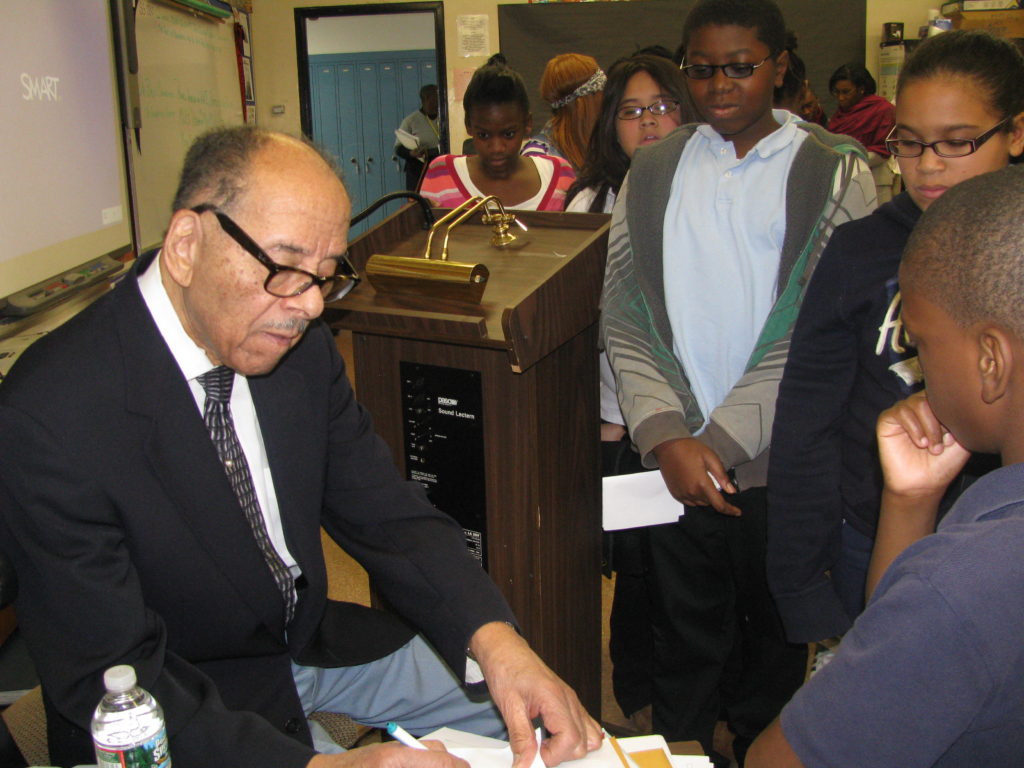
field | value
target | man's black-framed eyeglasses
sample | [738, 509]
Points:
[283, 281]
[737, 70]
[658, 108]
[942, 147]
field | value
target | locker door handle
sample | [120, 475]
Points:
[355, 163]
[369, 160]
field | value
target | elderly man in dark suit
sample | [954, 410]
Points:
[168, 458]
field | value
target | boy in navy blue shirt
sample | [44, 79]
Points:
[932, 673]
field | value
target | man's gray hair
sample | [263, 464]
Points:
[217, 165]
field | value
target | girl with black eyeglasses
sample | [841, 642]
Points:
[644, 101]
[959, 114]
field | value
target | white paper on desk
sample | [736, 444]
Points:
[632, 501]
[483, 752]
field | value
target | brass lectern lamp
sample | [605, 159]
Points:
[442, 278]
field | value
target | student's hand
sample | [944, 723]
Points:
[391, 755]
[524, 688]
[920, 457]
[685, 465]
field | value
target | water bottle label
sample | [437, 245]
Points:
[152, 754]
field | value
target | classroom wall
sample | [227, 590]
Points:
[277, 77]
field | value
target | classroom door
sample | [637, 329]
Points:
[358, 100]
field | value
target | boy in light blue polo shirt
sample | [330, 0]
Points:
[714, 235]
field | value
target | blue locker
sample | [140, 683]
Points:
[358, 100]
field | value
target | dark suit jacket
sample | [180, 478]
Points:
[130, 546]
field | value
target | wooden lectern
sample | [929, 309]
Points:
[494, 408]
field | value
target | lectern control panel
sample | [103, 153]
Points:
[443, 433]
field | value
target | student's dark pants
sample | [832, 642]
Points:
[629, 642]
[413, 173]
[719, 649]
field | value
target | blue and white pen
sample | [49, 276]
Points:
[399, 734]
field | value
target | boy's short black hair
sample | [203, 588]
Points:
[762, 15]
[966, 254]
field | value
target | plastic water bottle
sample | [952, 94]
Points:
[128, 725]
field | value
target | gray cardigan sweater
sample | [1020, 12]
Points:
[829, 183]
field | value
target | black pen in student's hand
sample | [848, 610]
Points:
[399, 734]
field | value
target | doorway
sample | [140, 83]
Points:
[360, 70]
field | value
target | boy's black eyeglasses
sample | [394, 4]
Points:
[943, 147]
[734, 69]
[285, 282]
[659, 108]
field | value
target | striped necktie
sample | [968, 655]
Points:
[217, 414]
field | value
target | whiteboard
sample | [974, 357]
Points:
[188, 83]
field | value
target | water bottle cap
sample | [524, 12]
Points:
[120, 678]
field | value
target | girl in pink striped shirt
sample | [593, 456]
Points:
[498, 120]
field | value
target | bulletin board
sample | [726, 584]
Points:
[830, 33]
[188, 83]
